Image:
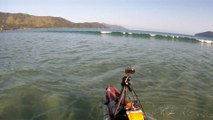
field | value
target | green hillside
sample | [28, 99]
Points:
[9, 21]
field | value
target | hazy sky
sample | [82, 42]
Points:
[179, 16]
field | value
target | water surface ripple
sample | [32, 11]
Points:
[63, 75]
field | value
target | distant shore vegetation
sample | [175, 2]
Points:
[12, 21]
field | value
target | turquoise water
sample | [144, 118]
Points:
[62, 74]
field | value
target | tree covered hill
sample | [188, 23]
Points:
[10, 21]
[208, 34]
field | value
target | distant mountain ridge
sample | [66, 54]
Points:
[11, 21]
[208, 34]
[117, 27]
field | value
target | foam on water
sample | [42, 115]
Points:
[137, 34]
[206, 41]
[105, 32]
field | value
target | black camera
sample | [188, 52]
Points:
[130, 70]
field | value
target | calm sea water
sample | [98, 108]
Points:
[62, 75]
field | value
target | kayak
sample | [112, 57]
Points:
[123, 105]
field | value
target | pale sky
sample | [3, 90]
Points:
[176, 16]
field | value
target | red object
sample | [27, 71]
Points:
[112, 93]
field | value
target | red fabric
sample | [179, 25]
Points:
[112, 93]
[114, 90]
